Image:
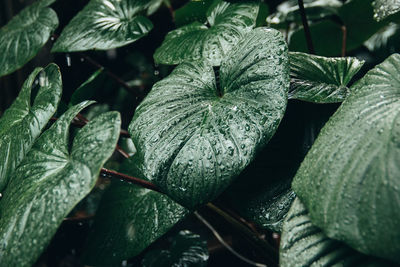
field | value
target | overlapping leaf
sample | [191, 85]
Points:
[50, 181]
[227, 23]
[385, 8]
[303, 244]
[129, 219]
[23, 37]
[105, 24]
[194, 135]
[23, 122]
[349, 180]
[320, 79]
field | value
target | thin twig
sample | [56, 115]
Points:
[306, 27]
[220, 239]
[130, 179]
[344, 39]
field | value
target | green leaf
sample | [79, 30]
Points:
[227, 23]
[192, 11]
[385, 8]
[24, 35]
[303, 244]
[349, 181]
[187, 249]
[23, 122]
[105, 24]
[50, 181]
[321, 79]
[141, 217]
[88, 89]
[194, 135]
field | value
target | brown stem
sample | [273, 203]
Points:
[130, 179]
[306, 27]
[122, 152]
[344, 39]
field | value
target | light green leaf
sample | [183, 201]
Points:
[50, 181]
[303, 244]
[105, 24]
[349, 181]
[141, 217]
[23, 122]
[227, 23]
[187, 249]
[385, 8]
[24, 35]
[194, 135]
[321, 79]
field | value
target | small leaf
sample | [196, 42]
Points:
[303, 244]
[349, 180]
[24, 35]
[128, 220]
[23, 122]
[385, 8]
[187, 249]
[88, 89]
[105, 24]
[50, 181]
[194, 136]
[227, 24]
[321, 79]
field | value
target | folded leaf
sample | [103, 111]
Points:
[303, 244]
[24, 35]
[105, 24]
[385, 8]
[194, 135]
[128, 220]
[321, 79]
[50, 181]
[349, 180]
[23, 122]
[227, 24]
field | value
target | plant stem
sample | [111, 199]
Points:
[130, 179]
[306, 27]
[344, 40]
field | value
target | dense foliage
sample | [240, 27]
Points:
[258, 133]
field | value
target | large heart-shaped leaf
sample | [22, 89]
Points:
[187, 249]
[105, 24]
[50, 181]
[349, 181]
[320, 79]
[129, 219]
[194, 135]
[23, 122]
[227, 24]
[303, 244]
[385, 8]
[23, 37]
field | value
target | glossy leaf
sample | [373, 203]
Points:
[23, 36]
[321, 79]
[50, 181]
[194, 135]
[303, 244]
[142, 217]
[105, 24]
[23, 122]
[349, 181]
[192, 11]
[227, 24]
[187, 249]
[385, 8]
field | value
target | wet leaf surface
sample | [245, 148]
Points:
[385, 8]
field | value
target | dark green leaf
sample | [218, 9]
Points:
[129, 219]
[87, 90]
[23, 122]
[349, 180]
[320, 79]
[23, 37]
[303, 244]
[105, 24]
[194, 135]
[385, 8]
[194, 10]
[227, 24]
[188, 249]
[50, 181]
